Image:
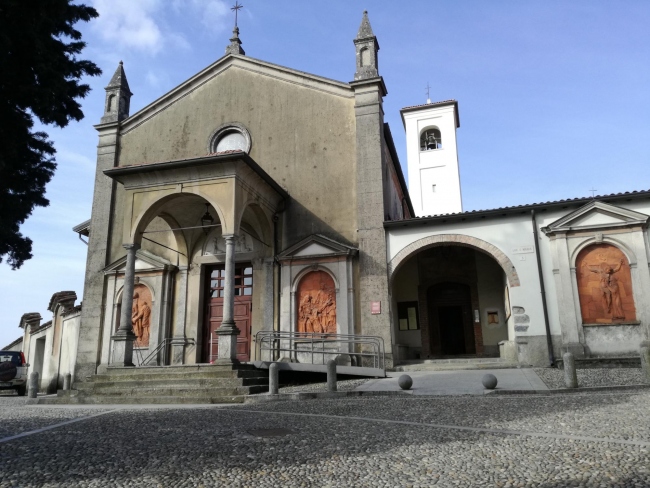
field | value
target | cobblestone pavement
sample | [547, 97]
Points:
[595, 440]
[554, 378]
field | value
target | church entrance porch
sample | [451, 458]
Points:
[214, 290]
[449, 301]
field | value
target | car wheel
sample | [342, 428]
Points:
[8, 371]
[21, 390]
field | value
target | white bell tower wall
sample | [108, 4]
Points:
[432, 155]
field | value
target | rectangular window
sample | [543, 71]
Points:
[407, 315]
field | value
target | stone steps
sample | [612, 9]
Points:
[208, 375]
[202, 383]
[141, 400]
[173, 391]
[205, 383]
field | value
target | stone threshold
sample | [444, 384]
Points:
[563, 391]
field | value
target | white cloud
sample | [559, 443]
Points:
[214, 14]
[130, 23]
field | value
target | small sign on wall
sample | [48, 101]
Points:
[375, 308]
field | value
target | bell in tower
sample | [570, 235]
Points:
[118, 97]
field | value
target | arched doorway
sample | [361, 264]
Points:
[450, 300]
[451, 330]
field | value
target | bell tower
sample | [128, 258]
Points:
[432, 157]
[118, 97]
[367, 48]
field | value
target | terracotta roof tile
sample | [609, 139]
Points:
[432, 104]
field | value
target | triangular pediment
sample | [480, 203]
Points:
[145, 261]
[316, 246]
[244, 64]
[597, 215]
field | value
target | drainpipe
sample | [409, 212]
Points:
[549, 341]
[277, 280]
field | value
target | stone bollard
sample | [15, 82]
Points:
[570, 375]
[331, 375]
[67, 380]
[645, 361]
[274, 379]
[33, 385]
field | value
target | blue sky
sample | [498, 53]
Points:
[553, 97]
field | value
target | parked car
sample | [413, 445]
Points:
[13, 372]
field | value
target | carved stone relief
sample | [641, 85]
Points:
[316, 299]
[216, 244]
[141, 315]
[604, 285]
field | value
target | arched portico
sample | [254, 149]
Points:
[450, 297]
[229, 185]
[458, 240]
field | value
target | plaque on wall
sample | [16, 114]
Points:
[604, 285]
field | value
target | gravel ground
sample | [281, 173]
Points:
[332, 443]
[343, 385]
[554, 378]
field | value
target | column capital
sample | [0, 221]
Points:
[230, 237]
[131, 246]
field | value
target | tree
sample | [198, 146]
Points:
[39, 77]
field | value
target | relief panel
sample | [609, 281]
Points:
[141, 315]
[317, 303]
[604, 285]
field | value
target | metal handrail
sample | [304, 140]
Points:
[164, 343]
[273, 341]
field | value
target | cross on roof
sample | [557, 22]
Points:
[593, 192]
[428, 89]
[236, 8]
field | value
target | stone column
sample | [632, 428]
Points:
[179, 341]
[124, 337]
[228, 331]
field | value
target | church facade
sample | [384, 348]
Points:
[219, 214]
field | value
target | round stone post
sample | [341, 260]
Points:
[644, 352]
[67, 380]
[33, 385]
[570, 375]
[274, 379]
[124, 337]
[331, 375]
[228, 331]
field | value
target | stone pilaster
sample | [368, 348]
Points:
[88, 354]
[124, 337]
[228, 331]
[373, 278]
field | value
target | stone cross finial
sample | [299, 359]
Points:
[235, 43]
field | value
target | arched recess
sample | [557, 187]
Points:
[253, 214]
[155, 210]
[316, 298]
[430, 138]
[456, 240]
[148, 297]
[306, 271]
[629, 254]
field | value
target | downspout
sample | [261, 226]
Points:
[276, 282]
[549, 341]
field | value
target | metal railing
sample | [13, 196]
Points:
[363, 350]
[162, 346]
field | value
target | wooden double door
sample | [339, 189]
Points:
[214, 288]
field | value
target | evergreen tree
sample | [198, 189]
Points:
[39, 77]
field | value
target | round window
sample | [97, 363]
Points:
[231, 141]
[230, 137]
